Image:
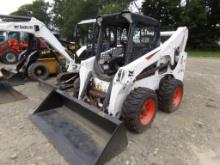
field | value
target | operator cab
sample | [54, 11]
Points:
[123, 38]
[85, 34]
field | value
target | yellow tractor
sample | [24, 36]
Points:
[48, 62]
[39, 60]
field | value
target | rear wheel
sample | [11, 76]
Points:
[170, 95]
[38, 71]
[9, 58]
[139, 109]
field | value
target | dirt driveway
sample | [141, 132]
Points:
[190, 136]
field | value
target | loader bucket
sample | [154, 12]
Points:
[46, 87]
[8, 94]
[79, 131]
[13, 78]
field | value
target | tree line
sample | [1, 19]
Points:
[202, 17]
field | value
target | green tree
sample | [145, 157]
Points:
[213, 20]
[195, 18]
[200, 16]
[25, 10]
[166, 11]
[38, 9]
[113, 6]
[69, 12]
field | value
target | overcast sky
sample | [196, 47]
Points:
[8, 6]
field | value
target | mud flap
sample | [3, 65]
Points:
[79, 131]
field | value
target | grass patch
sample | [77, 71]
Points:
[204, 53]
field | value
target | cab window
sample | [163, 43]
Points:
[13, 35]
[2, 38]
[144, 35]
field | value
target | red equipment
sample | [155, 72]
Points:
[13, 45]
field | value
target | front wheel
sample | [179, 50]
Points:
[9, 58]
[38, 71]
[139, 109]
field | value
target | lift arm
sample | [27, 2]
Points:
[33, 26]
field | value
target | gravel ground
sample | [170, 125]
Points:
[190, 136]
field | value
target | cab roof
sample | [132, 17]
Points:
[125, 18]
[87, 21]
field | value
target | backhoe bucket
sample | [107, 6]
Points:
[80, 132]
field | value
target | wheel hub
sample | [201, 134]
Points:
[10, 57]
[148, 111]
[177, 96]
[39, 72]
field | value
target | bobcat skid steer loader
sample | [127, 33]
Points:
[132, 74]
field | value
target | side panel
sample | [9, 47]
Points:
[181, 67]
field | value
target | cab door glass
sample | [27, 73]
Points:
[144, 40]
[2, 38]
[144, 35]
[13, 35]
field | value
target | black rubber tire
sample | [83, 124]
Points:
[166, 94]
[76, 87]
[9, 58]
[133, 107]
[33, 69]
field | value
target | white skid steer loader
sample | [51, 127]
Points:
[132, 74]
